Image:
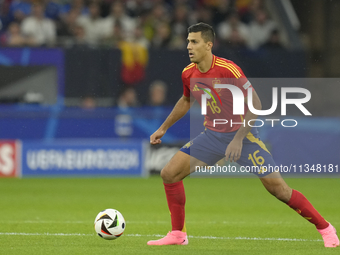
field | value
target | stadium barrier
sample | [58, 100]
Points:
[310, 149]
[72, 158]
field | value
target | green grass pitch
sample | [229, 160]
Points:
[223, 216]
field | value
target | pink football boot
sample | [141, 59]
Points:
[174, 237]
[329, 236]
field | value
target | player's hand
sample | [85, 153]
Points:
[233, 151]
[155, 138]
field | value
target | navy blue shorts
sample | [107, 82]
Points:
[210, 147]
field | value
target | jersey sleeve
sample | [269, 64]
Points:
[186, 85]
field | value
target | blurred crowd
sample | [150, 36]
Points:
[149, 23]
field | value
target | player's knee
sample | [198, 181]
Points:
[167, 176]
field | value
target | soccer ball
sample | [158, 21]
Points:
[109, 224]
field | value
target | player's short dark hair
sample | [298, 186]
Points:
[207, 32]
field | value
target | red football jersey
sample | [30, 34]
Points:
[222, 71]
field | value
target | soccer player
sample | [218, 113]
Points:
[239, 142]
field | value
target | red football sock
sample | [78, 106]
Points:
[302, 206]
[176, 201]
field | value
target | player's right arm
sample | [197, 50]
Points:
[181, 108]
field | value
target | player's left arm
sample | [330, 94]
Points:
[234, 149]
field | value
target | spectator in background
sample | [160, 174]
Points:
[52, 9]
[157, 92]
[4, 13]
[128, 98]
[79, 39]
[180, 22]
[147, 22]
[139, 38]
[92, 24]
[179, 26]
[5, 5]
[158, 15]
[233, 31]
[104, 6]
[204, 15]
[236, 40]
[68, 23]
[260, 30]
[41, 30]
[162, 37]
[137, 8]
[248, 8]
[221, 11]
[116, 36]
[53, 12]
[78, 5]
[118, 14]
[19, 10]
[274, 41]
[14, 38]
